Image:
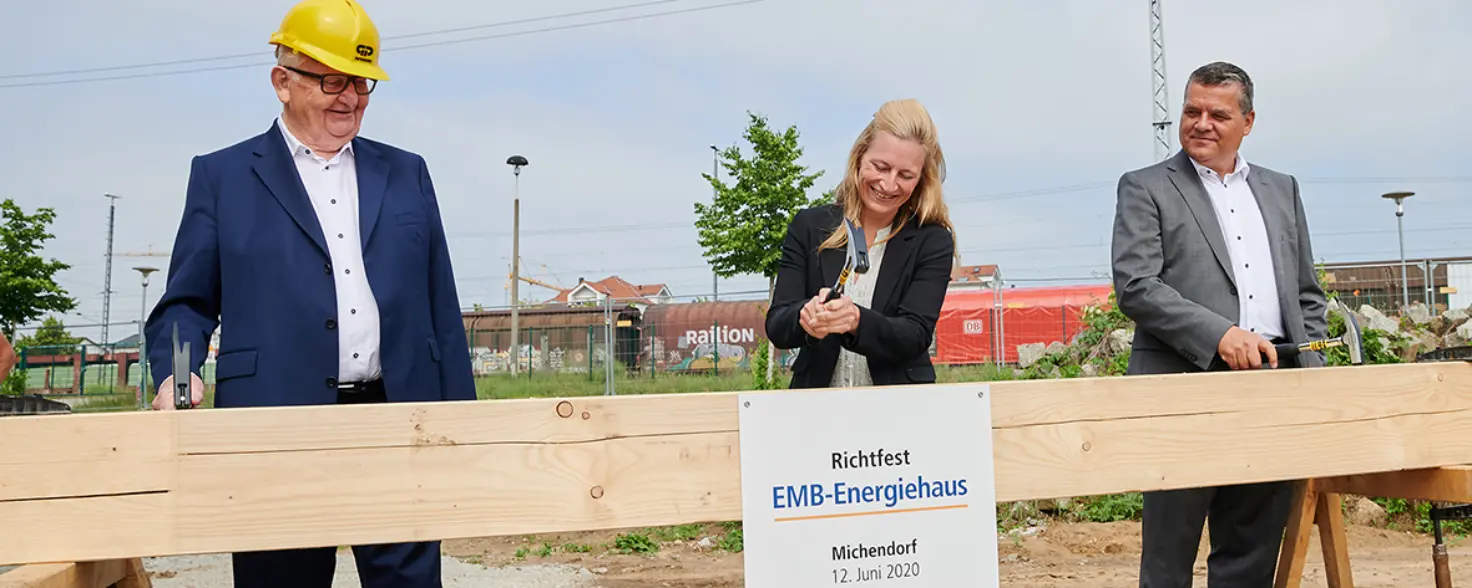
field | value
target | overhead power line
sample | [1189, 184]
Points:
[504, 23]
[1389, 179]
[390, 48]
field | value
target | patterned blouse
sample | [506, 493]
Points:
[853, 369]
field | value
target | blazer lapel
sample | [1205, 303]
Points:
[898, 253]
[275, 168]
[1183, 176]
[372, 183]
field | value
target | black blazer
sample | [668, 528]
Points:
[895, 333]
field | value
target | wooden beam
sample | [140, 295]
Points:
[1446, 484]
[263, 478]
[101, 574]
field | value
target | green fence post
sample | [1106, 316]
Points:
[81, 376]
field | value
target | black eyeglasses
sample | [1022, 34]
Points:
[337, 83]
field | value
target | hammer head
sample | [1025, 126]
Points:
[1352, 337]
[858, 251]
[856, 260]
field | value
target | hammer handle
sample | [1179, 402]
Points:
[1291, 350]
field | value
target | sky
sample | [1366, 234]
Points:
[1041, 105]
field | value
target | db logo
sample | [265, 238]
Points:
[973, 327]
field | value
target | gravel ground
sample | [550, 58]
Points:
[213, 571]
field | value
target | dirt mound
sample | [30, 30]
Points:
[1057, 555]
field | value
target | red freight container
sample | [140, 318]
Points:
[965, 332]
[683, 337]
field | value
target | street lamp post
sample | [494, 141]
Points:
[516, 162]
[1400, 212]
[142, 341]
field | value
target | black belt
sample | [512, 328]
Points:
[370, 392]
[375, 385]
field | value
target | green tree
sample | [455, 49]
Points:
[52, 333]
[28, 287]
[742, 229]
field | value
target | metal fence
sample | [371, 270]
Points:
[648, 335]
[1437, 284]
[703, 335]
[606, 339]
[77, 369]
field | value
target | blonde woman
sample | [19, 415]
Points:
[879, 331]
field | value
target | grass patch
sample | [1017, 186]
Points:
[689, 532]
[1416, 515]
[635, 543]
[553, 385]
[549, 385]
[734, 540]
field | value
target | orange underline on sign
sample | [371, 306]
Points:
[869, 513]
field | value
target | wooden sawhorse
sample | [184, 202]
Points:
[1317, 502]
[120, 573]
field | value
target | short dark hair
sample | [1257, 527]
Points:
[1218, 73]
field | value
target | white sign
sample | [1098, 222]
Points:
[883, 487]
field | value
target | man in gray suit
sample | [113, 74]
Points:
[1212, 261]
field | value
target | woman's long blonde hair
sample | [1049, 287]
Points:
[905, 119]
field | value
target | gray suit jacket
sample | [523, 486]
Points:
[1171, 266]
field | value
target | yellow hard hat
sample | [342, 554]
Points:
[337, 33]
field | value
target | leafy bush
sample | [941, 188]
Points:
[759, 360]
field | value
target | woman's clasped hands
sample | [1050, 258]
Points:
[837, 316]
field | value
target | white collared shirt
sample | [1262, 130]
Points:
[1246, 235]
[332, 186]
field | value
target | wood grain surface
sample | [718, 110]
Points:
[209, 481]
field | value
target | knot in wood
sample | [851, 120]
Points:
[564, 409]
[1088, 446]
[586, 416]
[596, 492]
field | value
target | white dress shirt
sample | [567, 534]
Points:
[332, 186]
[1247, 245]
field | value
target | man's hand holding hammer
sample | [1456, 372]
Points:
[165, 398]
[1243, 349]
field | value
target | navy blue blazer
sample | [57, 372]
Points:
[250, 258]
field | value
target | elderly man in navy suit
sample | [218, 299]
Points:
[322, 259]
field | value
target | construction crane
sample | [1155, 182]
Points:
[533, 281]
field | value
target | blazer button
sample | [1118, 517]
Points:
[327, 268]
[331, 382]
[1234, 291]
[331, 324]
